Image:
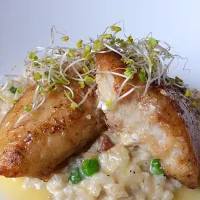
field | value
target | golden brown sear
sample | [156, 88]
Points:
[164, 120]
[48, 136]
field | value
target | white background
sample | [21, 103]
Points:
[25, 24]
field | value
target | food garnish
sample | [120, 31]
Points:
[155, 167]
[56, 66]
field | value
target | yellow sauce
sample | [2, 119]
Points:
[12, 190]
[187, 194]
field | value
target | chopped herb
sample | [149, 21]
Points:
[155, 167]
[13, 89]
[75, 176]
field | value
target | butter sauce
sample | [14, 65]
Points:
[12, 190]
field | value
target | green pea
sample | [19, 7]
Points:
[90, 167]
[75, 176]
[155, 167]
[13, 89]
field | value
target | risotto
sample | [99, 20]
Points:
[124, 174]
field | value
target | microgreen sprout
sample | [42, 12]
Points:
[49, 68]
[65, 38]
[79, 44]
[27, 108]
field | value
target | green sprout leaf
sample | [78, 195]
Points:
[195, 103]
[50, 88]
[178, 80]
[109, 103]
[32, 56]
[19, 90]
[153, 62]
[73, 106]
[71, 53]
[121, 42]
[153, 42]
[79, 44]
[129, 61]
[87, 51]
[115, 28]
[27, 108]
[85, 69]
[107, 36]
[63, 81]
[65, 38]
[82, 84]
[89, 79]
[188, 93]
[37, 76]
[142, 75]
[130, 39]
[69, 94]
[97, 45]
[129, 72]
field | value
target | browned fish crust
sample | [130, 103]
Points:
[174, 114]
[48, 136]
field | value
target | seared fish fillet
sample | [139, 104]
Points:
[47, 137]
[163, 120]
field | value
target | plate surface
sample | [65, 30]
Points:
[25, 25]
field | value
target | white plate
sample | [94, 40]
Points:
[26, 24]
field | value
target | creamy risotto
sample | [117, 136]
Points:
[124, 174]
